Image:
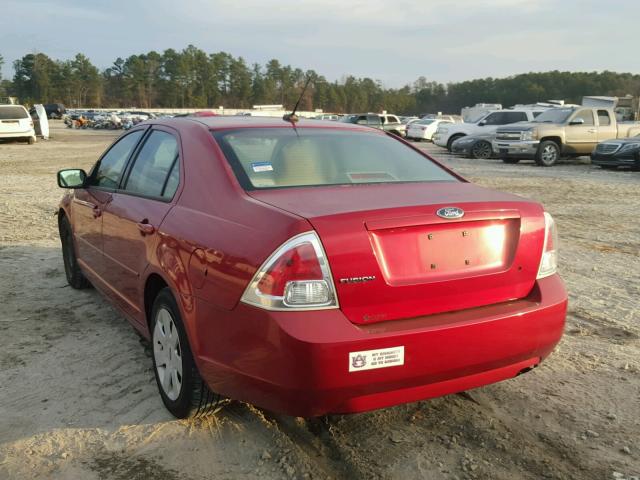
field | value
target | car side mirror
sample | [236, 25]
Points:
[577, 121]
[482, 124]
[72, 178]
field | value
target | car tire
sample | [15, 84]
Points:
[511, 160]
[181, 387]
[481, 150]
[548, 153]
[31, 140]
[75, 277]
[453, 139]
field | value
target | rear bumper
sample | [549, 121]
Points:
[19, 134]
[519, 149]
[298, 363]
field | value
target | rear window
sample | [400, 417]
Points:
[13, 113]
[284, 157]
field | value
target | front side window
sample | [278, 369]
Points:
[493, 119]
[513, 117]
[283, 157]
[108, 172]
[374, 120]
[154, 167]
[586, 115]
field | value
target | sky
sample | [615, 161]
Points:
[392, 41]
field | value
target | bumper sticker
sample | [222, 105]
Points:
[372, 359]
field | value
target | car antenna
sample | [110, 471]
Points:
[292, 117]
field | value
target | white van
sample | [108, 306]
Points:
[15, 122]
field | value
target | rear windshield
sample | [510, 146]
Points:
[13, 113]
[284, 157]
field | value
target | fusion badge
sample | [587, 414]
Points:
[372, 359]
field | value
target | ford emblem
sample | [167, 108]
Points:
[450, 213]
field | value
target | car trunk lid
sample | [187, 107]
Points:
[392, 256]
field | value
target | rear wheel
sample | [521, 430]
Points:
[31, 140]
[548, 153]
[453, 139]
[183, 391]
[75, 277]
[481, 150]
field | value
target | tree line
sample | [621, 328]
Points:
[193, 78]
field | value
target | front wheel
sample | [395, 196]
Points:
[548, 153]
[183, 391]
[75, 277]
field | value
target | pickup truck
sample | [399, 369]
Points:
[487, 123]
[386, 122]
[568, 131]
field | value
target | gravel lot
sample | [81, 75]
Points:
[78, 398]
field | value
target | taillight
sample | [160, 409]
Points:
[295, 276]
[549, 260]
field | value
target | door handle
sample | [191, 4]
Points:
[593, 130]
[97, 211]
[145, 227]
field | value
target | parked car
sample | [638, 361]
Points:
[407, 120]
[425, 128]
[447, 134]
[474, 146]
[310, 269]
[327, 116]
[16, 123]
[388, 123]
[616, 153]
[570, 131]
[54, 110]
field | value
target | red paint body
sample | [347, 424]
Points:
[461, 327]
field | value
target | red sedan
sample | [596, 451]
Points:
[310, 268]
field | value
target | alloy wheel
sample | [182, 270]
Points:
[167, 354]
[549, 154]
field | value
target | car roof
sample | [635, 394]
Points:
[240, 121]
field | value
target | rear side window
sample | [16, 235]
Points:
[284, 157]
[154, 166]
[108, 171]
[603, 118]
[13, 113]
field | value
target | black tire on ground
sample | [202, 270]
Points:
[481, 150]
[452, 139]
[548, 153]
[31, 140]
[194, 398]
[75, 277]
[510, 160]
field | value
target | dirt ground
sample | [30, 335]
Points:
[78, 398]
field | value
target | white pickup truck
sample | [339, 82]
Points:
[488, 123]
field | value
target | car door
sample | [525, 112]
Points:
[89, 203]
[136, 210]
[581, 134]
[375, 121]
